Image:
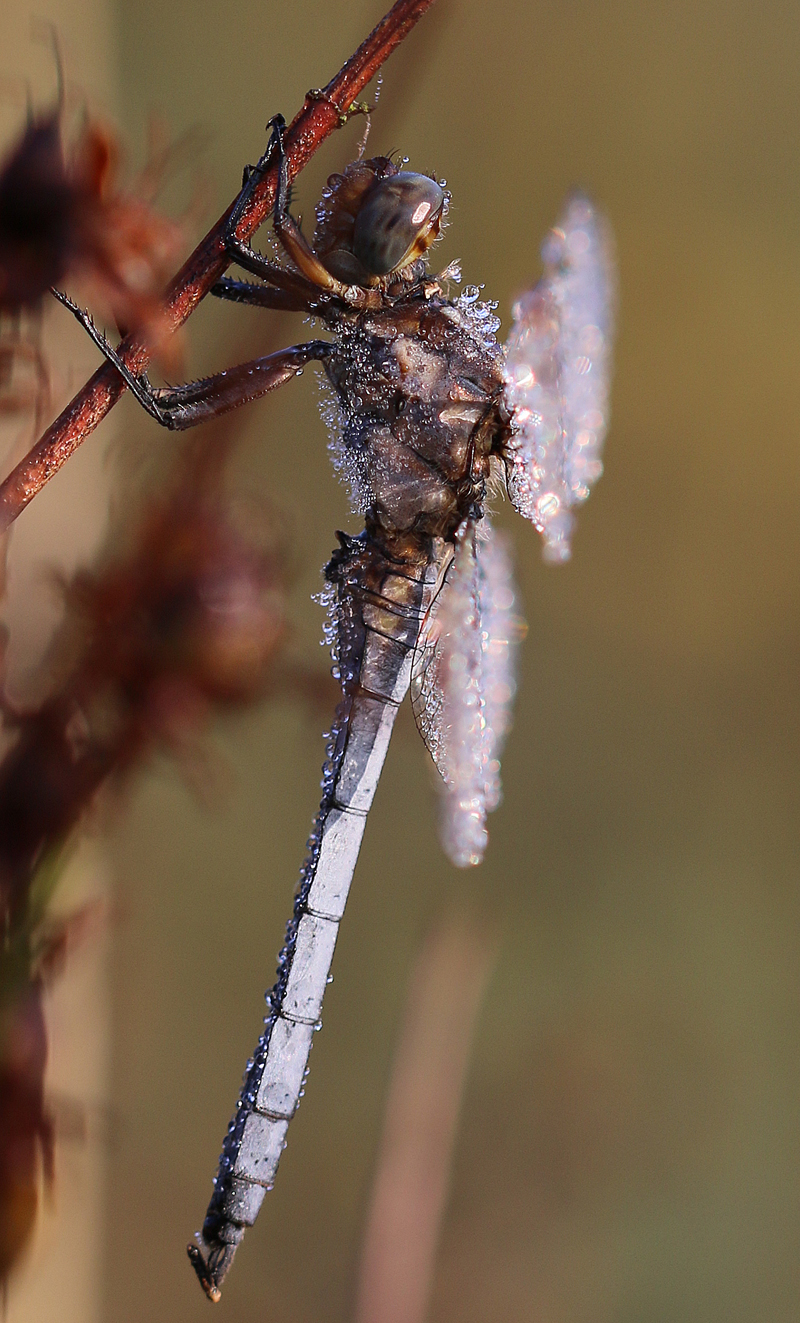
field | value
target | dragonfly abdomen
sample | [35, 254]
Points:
[378, 603]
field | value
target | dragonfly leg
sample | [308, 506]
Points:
[261, 296]
[198, 401]
[138, 385]
[179, 407]
[296, 245]
[247, 257]
[258, 265]
[311, 278]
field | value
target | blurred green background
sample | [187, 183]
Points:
[629, 1140]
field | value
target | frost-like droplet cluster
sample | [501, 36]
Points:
[557, 376]
[479, 315]
[328, 598]
[349, 462]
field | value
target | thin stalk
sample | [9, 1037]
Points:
[412, 1173]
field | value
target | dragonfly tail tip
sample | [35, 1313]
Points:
[204, 1274]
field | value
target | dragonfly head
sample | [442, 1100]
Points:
[398, 222]
[376, 222]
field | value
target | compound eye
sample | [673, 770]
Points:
[398, 222]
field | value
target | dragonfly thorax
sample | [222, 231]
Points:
[418, 413]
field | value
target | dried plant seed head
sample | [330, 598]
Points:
[198, 610]
[398, 222]
[37, 205]
[64, 217]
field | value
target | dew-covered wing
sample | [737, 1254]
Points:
[463, 685]
[427, 698]
[558, 370]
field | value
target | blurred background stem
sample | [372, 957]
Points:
[415, 1152]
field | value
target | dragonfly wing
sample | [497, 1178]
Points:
[427, 696]
[558, 369]
[501, 632]
[463, 685]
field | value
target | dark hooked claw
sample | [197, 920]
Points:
[138, 385]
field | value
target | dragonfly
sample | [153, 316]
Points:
[429, 416]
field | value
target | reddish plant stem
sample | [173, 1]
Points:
[321, 113]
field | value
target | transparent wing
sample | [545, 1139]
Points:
[427, 695]
[558, 369]
[463, 685]
[502, 630]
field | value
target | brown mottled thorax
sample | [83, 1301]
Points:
[420, 411]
